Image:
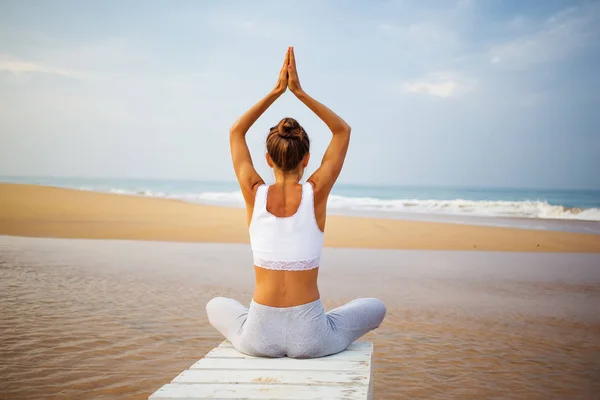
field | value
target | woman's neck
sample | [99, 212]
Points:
[287, 179]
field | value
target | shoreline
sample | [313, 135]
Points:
[568, 210]
[45, 211]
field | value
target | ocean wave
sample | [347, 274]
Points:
[462, 207]
[483, 208]
[214, 198]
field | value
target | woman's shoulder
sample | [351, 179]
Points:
[249, 191]
[320, 192]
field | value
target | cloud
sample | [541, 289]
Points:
[16, 66]
[561, 36]
[440, 84]
[440, 89]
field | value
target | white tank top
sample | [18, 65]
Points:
[291, 243]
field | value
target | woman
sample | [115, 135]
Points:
[286, 223]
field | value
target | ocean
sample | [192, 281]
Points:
[453, 204]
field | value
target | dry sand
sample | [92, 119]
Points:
[37, 211]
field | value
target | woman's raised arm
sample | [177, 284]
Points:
[247, 176]
[333, 160]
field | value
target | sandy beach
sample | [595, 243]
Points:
[473, 311]
[37, 211]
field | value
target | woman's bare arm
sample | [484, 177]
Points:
[333, 160]
[247, 176]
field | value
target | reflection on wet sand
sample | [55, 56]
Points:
[108, 320]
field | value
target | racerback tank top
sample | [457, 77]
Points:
[291, 243]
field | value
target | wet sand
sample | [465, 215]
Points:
[102, 319]
[37, 211]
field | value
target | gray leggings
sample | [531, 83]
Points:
[304, 331]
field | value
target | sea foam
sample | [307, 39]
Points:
[461, 207]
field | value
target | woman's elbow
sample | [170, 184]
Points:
[344, 129]
[236, 131]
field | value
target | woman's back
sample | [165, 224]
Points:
[286, 244]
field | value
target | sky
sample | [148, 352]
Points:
[453, 93]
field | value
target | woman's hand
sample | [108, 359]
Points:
[293, 81]
[282, 82]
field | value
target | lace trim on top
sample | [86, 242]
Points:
[301, 265]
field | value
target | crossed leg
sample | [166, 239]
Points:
[228, 316]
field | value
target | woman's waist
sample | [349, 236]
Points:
[285, 288]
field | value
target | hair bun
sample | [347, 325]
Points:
[287, 144]
[288, 128]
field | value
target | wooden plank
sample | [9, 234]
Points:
[230, 352]
[228, 374]
[249, 391]
[356, 346]
[323, 378]
[281, 364]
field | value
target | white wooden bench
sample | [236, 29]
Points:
[225, 373]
